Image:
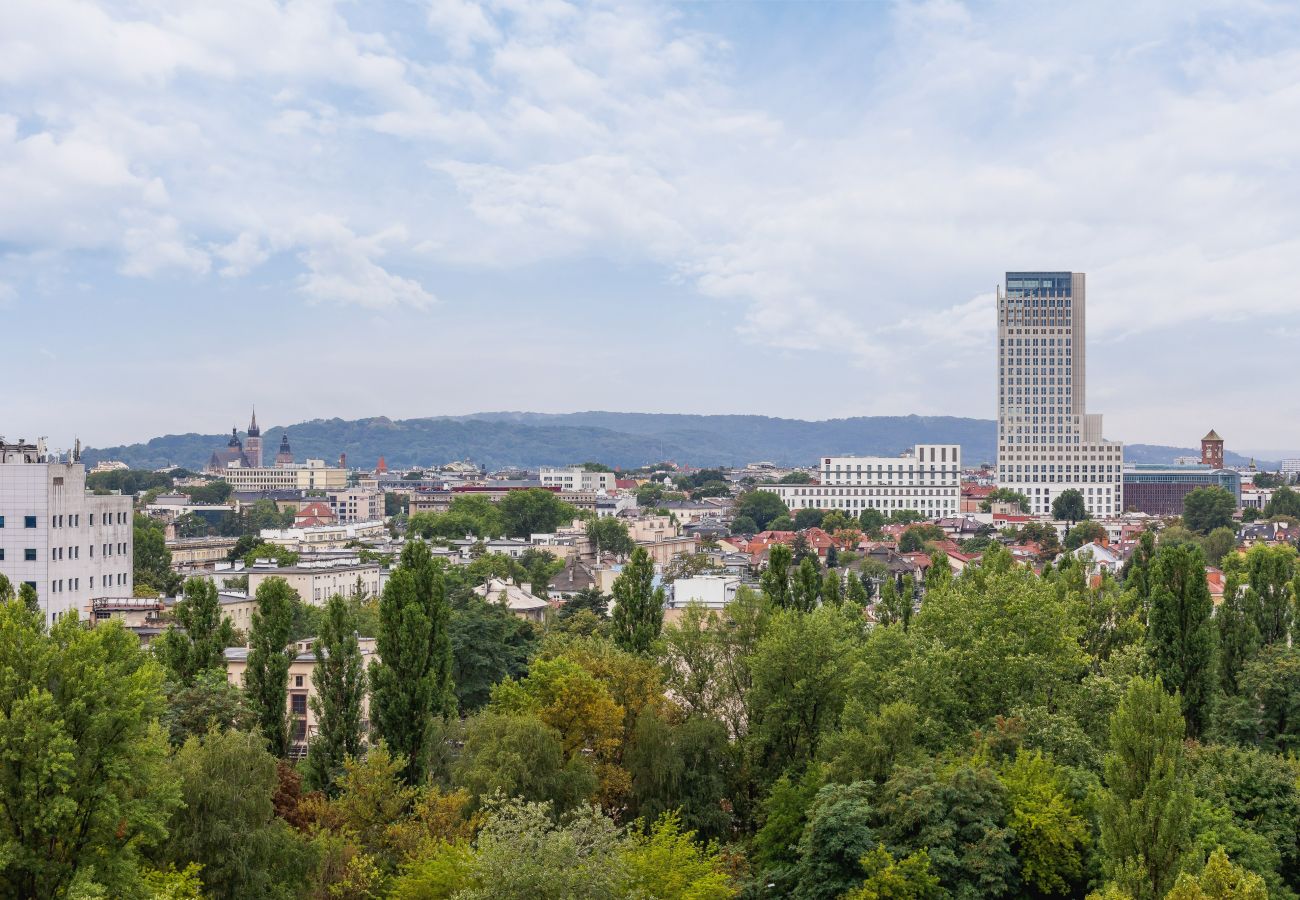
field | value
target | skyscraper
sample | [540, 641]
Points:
[1047, 441]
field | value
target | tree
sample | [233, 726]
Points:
[84, 789]
[1136, 573]
[1208, 508]
[871, 520]
[211, 701]
[1051, 831]
[1268, 711]
[638, 615]
[915, 538]
[1180, 634]
[805, 587]
[1005, 495]
[27, 597]
[680, 768]
[1069, 506]
[199, 643]
[744, 525]
[775, 579]
[1146, 806]
[808, 518]
[411, 680]
[610, 535]
[227, 823]
[533, 511]
[152, 561]
[490, 644]
[267, 677]
[281, 556]
[1084, 533]
[1283, 502]
[666, 861]
[831, 588]
[838, 834]
[761, 507]
[905, 879]
[795, 478]
[1218, 544]
[518, 755]
[1219, 880]
[1271, 575]
[1238, 633]
[339, 680]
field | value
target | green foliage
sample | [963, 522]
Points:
[666, 862]
[1146, 807]
[1005, 495]
[905, 879]
[214, 492]
[533, 511]
[198, 644]
[1267, 712]
[836, 837]
[489, 644]
[638, 615]
[210, 701]
[1271, 577]
[1069, 506]
[267, 677]
[1219, 880]
[227, 823]
[339, 680]
[871, 521]
[1050, 828]
[467, 514]
[1283, 502]
[761, 507]
[1084, 533]
[806, 586]
[1208, 508]
[84, 789]
[1218, 544]
[411, 681]
[151, 560]
[517, 755]
[1180, 634]
[281, 556]
[680, 768]
[610, 535]
[808, 518]
[775, 579]
[128, 481]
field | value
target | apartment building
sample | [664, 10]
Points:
[357, 505]
[313, 475]
[70, 545]
[926, 479]
[317, 582]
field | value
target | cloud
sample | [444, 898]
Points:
[462, 25]
[341, 268]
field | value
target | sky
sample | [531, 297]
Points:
[436, 207]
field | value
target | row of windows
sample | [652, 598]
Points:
[59, 585]
[71, 521]
[28, 521]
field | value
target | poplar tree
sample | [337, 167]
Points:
[1181, 636]
[806, 587]
[638, 615]
[832, 590]
[1136, 573]
[411, 680]
[197, 641]
[1270, 572]
[340, 685]
[775, 580]
[1146, 808]
[857, 591]
[1238, 633]
[267, 677]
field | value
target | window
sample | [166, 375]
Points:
[298, 704]
[297, 681]
[30, 554]
[29, 521]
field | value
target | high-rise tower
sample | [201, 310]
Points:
[1047, 441]
[1212, 450]
[253, 446]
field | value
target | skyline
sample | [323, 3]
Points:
[580, 206]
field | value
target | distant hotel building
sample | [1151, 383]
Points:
[927, 479]
[1047, 442]
[71, 546]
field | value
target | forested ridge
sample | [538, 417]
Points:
[1009, 735]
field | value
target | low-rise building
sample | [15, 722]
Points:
[1160, 490]
[297, 701]
[927, 479]
[324, 537]
[518, 600]
[317, 582]
[313, 475]
[357, 505]
[576, 478]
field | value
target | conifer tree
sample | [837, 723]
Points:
[1146, 808]
[638, 615]
[267, 677]
[1180, 633]
[340, 685]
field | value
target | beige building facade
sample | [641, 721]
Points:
[315, 584]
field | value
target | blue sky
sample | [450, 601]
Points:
[794, 209]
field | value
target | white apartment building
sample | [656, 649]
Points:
[926, 479]
[71, 546]
[575, 478]
[1047, 441]
[1290, 467]
[316, 582]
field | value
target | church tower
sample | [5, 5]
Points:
[1212, 450]
[253, 446]
[285, 456]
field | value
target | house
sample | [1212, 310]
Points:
[575, 577]
[518, 600]
[1099, 558]
[314, 513]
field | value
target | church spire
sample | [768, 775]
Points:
[253, 430]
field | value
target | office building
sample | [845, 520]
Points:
[313, 475]
[1160, 491]
[576, 478]
[72, 546]
[926, 479]
[1047, 441]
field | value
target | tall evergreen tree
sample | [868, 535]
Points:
[340, 684]
[775, 579]
[1180, 633]
[1238, 633]
[1146, 808]
[267, 677]
[411, 681]
[638, 615]
[198, 644]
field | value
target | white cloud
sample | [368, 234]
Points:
[341, 268]
[462, 25]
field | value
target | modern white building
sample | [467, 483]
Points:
[1290, 467]
[576, 478]
[73, 547]
[1047, 441]
[926, 479]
